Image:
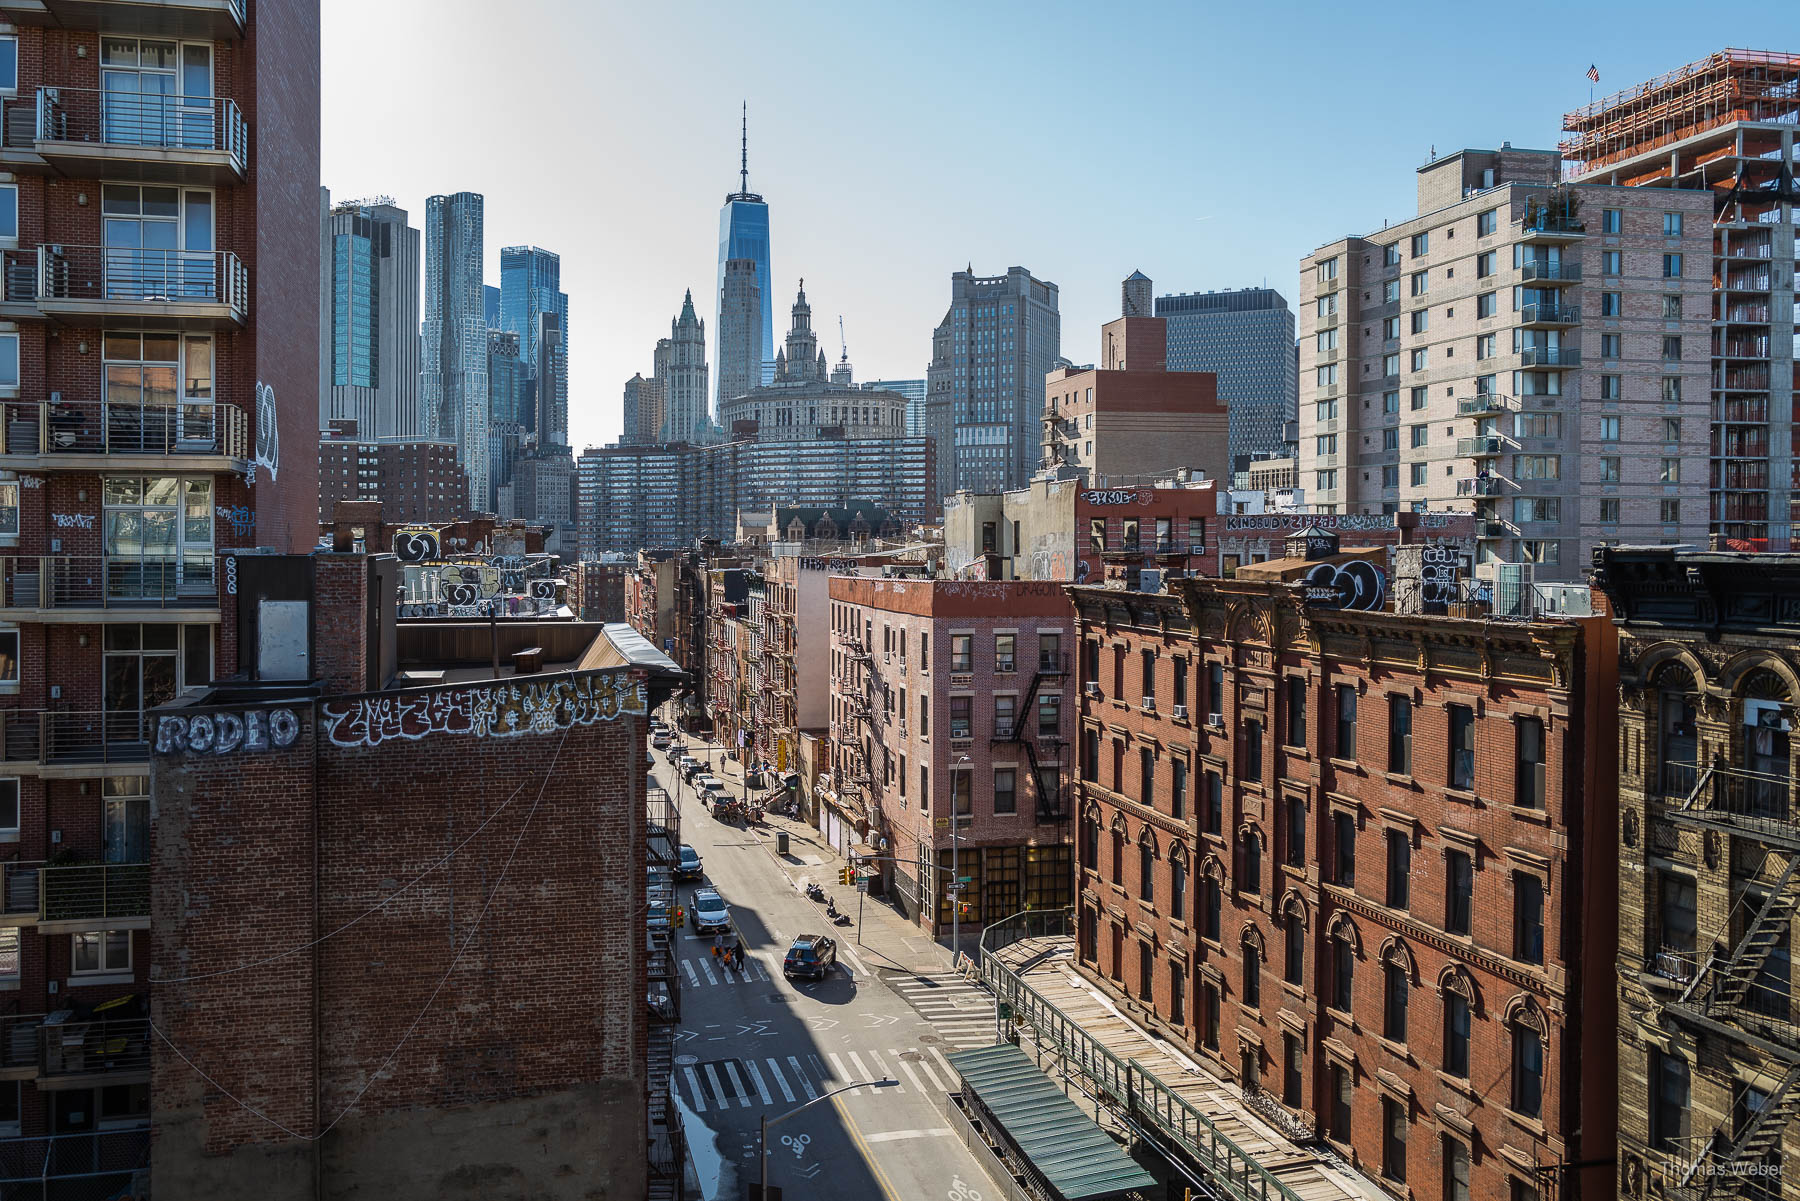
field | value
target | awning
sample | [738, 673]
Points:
[1062, 1145]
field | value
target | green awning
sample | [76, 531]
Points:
[1073, 1155]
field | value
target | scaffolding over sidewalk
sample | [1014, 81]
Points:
[1206, 1121]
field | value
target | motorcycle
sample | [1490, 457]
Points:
[842, 919]
[814, 892]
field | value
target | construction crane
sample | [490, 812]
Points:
[841, 342]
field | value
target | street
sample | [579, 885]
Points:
[752, 1045]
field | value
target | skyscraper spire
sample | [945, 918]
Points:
[744, 151]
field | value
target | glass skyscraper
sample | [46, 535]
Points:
[530, 286]
[368, 317]
[744, 234]
[453, 386]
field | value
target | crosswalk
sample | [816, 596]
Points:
[704, 970]
[753, 1082]
[962, 1013]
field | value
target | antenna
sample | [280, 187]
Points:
[841, 341]
[744, 151]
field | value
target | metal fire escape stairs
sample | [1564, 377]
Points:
[1049, 808]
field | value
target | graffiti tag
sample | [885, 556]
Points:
[73, 521]
[499, 710]
[223, 733]
[268, 438]
[241, 518]
[1130, 496]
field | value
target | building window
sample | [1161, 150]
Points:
[1528, 787]
[1609, 220]
[1390, 255]
[1484, 265]
[1459, 891]
[1005, 796]
[9, 658]
[1421, 282]
[1400, 735]
[1527, 1071]
[1296, 712]
[1421, 244]
[1390, 402]
[1418, 435]
[1420, 320]
[1485, 305]
[1397, 991]
[1340, 1103]
[1399, 869]
[1419, 359]
[9, 972]
[1671, 512]
[1212, 802]
[961, 723]
[1609, 509]
[1343, 956]
[1090, 844]
[1147, 975]
[1003, 652]
[1669, 1121]
[1416, 473]
[1393, 1139]
[1528, 918]
[1215, 692]
[1293, 811]
[1456, 1034]
[1177, 993]
[9, 65]
[1343, 837]
[1670, 471]
[1003, 715]
[1178, 773]
[1610, 304]
[1177, 888]
[1296, 949]
[100, 952]
[1672, 309]
[1292, 1068]
[1251, 879]
[1610, 262]
[1671, 264]
[1456, 1169]
[1147, 777]
[924, 717]
[1049, 715]
[1146, 868]
[962, 652]
[1609, 469]
[1252, 957]
[1462, 748]
[1090, 756]
[1251, 767]
[1671, 348]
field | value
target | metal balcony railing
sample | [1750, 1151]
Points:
[19, 277]
[107, 582]
[75, 1167]
[81, 1048]
[1484, 446]
[1746, 803]
[1544, 313]
[19, 1043]
[1549, 356]
[20, 894]
[48, 738]
[1483, 403]
[42, 427]
[162, 122]
[1536, 272]
[118, 275]
[96, 892]
[1484, 486]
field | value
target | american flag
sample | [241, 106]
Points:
[1593, 73]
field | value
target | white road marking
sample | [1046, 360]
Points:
[718, 1087]
[756, 1078]
[781, 1081]
[880, 1066]
[937, 1085]
[706, 966]
[800, 1075]
[837, 1067]
[695, 1091]
[910, 1075]
[860, 969]
[867, 1076]
[693, 976]
[949, 1072]
[737, 1085]
[894, 1136]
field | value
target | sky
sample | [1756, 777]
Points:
[1209, 145]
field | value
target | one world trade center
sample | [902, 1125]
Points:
[744, 235]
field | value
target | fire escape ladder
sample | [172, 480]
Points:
[1763, 935]
[1758, 1137]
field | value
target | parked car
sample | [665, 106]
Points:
[660, 739]
[660, 917]
[710, 913]
[811, 955]
[688, 866]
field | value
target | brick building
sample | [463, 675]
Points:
[1359, 865]
[414, 480]
[1708, 842]
[159, 367]
[599, 590]
[947, 704]
[415, 1003]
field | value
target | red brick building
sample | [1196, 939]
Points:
[1360, 865]
[949, 705]
[414, 481]
[158, 411]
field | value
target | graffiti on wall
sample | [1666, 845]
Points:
[268, 437]
[241, 518]
[1127, 496]
[417, 544]
[1335, 521]
[499, 710]
[1438, 570]
[222, 733]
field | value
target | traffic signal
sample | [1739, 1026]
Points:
[847, 875]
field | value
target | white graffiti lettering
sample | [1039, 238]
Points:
[499, 710]
[224, 732]
[73, 521]
[1118, 497]
[31, 481]
[1335, 521]
[268, 435]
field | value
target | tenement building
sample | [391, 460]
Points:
[1531, 352]
[1709, 853]
[949, 740]
[1358, 864]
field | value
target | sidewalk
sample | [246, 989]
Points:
[888, 941]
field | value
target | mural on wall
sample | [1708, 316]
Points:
[498, 710]
[1355, 585]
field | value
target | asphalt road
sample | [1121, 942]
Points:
[753, 1044]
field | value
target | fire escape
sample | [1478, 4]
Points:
[662, 856]
[1052, 806]
[1741, 991]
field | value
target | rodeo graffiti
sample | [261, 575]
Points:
[223, 733]
[490, 711]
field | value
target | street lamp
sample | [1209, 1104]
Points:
[762, 1142]
[955, 864]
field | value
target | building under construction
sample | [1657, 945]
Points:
[1725, 124]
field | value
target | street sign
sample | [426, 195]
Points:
[943, 823]
[862, 884]
[965, 879]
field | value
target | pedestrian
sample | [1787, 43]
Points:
[718, 947]
[737, 952]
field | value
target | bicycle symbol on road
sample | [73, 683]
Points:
[962, 1192]
[798, 1143]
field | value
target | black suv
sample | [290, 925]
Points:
[811, 955]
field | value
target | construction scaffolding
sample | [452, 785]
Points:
[1732, 85]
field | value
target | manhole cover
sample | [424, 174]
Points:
[912, 1056]
[780, 998]
[687, 1060]
[930, 1038]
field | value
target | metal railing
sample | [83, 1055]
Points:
[52, 737]
[20, 890]
[1756, 804]
[19, 1042]
[42, 427]
[1480, 447]
[1534, 271]
[81, 1048]
[112, 118]
[96, 892]
[74, 1167]
[1481, 486]
[1483, 403]
[1232, 1170]
[140, 275]
[106, 582]
[1543, 313]
[1549, 356]
[19, 276]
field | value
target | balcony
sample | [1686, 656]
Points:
[1493, 529]
[19, 1046]
[109, 1163]
[1175, 548]
[95, 896]
[41, 435]
[21, 898]
[1487, 446]
[1741, 803]
[88, 133]
[19, 285]
[1549, 226]
[1544, 315]
[89, 588]
[1549, 356]
[1482, 404]
[1481, 486]
[116, 287]
[86, 1054]
[205, 20]
[1550, 273]
[73, 743]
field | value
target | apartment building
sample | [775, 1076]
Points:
[1529, 351]
[1723, 128]
[413, 481]
[159, 351]
[949, 740]
[1708, 846]
[1359, 866]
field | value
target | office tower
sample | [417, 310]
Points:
[1245, 338]
[744, 234]
[914, 392]
[1723, 128]
[643, 412]
[530, 290]
[741, 313]
[508, 394]
[681, 378]
[490, 305]
[1002, 336]
[369, 317]
[1531, 351]
[453, 387]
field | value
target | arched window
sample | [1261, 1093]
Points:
[1178, 871]
[1458, 992]
[1090, 838]
[1343, 964]
[1525, 1023]
[1212, 897]
[1118, 851]
[1293, 922]
[1252, 944]
[1250, 857]
[1396, 989]
[1146, 865]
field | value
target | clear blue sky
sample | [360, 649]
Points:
[1209, 145]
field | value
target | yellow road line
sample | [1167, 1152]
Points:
[887, 1187]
